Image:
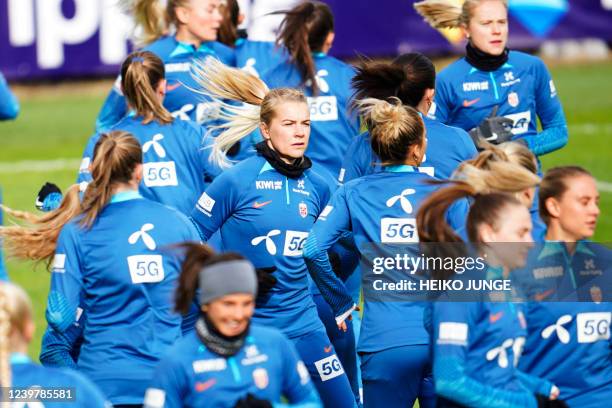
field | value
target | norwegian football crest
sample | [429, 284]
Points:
[303, 210]
[260, 378]
[513, 99]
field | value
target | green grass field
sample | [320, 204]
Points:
[55, 123]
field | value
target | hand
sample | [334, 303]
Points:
[493, 129]
[265, 280]
[49, 197]
[546, 402]
[251, 401]
[348, 315]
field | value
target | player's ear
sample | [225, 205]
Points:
[161, 88]
[137, 175]
[182, 14]
[265, 130]
[553, 207]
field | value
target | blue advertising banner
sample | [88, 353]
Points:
[66, 38]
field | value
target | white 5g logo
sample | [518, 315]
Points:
[323, 108]
[398, 230]
[145, 268]
[329, 367]
[294, 242]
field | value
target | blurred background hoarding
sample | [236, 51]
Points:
[51, 39]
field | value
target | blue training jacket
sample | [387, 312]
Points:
[332, 127]
[379, 208]
[568, 342]
[476, 347]
[71, 389]
[447, 147]
[267, 366]
[175, 160]
[258, 57]
[522, 89]
[266, 217]
[9, 106]
[123, 273]
[180, 99]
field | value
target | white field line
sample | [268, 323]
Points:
[604, 186]
[35, 166]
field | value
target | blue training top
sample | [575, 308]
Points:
[379, 208]
[568, 342]
[180, 99]
[9, 106]
[71, 389]
[266, 216]
[124, 273]
[258, 57]
[447, 147]
[476, 346]
[522, 89]
[175, 160]
[267, 366]
[332, 127]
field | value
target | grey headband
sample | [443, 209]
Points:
[225, 278]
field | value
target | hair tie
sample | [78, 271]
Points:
[138, 59]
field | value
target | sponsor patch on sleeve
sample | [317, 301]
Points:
[453, 333]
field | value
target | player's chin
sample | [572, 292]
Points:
[297, 152]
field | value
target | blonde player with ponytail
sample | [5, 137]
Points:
[264, 207]
[20, 376]
[178, 32]
[494, 93]
[107, 256]
[381, 208]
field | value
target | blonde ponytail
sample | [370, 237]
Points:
[150, 19]
[393, 128]
[38, 238]
[500, 176]
[15, 316]
[447, 14]
[440, 13]
[220, 83]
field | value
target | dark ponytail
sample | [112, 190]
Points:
[486, 209]
[228, 31]
[197, 256]
[431, 218]
[407, 78]
[304, 31]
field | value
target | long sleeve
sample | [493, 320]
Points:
[332, 223]
[62, 349]
[9, 106]
[66, 281]
[554, 133]
[452, 325]
[215, 205]
[168, 386]
[535, 384]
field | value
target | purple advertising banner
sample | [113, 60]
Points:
[42, 39]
